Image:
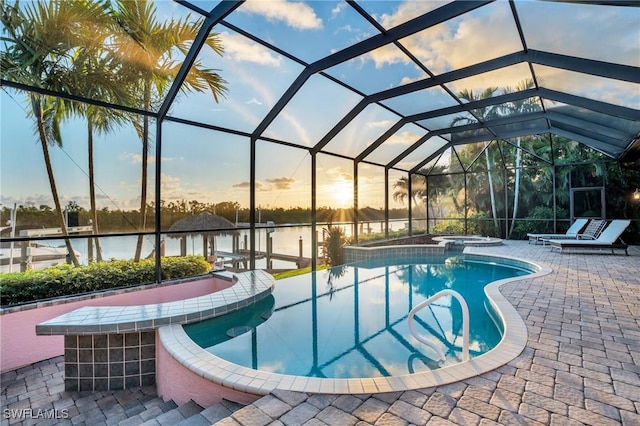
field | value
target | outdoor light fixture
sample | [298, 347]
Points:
[636, 195]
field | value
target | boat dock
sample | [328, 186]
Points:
[243, 256]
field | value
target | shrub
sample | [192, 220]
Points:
[482, 224]
[540, 221]
[449, 226]
[379, 236]
[334, 241]
[65, 280]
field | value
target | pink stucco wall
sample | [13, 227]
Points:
[20, 346]
[176, 382]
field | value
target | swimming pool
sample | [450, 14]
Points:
[351, 322]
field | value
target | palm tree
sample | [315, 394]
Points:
[149, 48]
[482, 114]
[401, 189]
[102, 121]
[41, 37]
[519, 107]
[98, 70]
[431, 193]
[438, 183]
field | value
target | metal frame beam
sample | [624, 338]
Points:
[585, 66]
[506, 135]
[571, 63]
[591, 127]
[591, 104]
[435, 17]
[216, 15]
[475, 126]
[605, 146]
[428, 20]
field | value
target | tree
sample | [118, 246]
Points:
[492, 112]
[428, 190]
[401, 189]
[482, 114]
[333, 244]
[519, 107]
[41, 38]
[151, 51]
[98, 71]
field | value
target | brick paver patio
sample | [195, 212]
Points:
[581, 366]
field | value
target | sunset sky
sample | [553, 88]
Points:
[213, 166]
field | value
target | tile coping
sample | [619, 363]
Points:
[61, 300]
[249, 287]
[199, 361]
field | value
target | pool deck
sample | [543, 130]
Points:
[581, 365]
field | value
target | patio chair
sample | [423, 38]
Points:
[217, 264]
[591, 231]
[609, 238]
[572, 232]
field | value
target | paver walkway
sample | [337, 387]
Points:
[581, 366]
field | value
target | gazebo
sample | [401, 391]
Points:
[207, 225]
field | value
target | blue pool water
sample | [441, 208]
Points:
[351, 321]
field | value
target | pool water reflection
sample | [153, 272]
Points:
[351, 321]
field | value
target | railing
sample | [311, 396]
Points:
[465, 323]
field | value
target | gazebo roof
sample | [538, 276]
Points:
[205, 223]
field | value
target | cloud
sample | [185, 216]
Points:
[387, 55]
[459, 43]
[281, 183]
[250, 112]
[607, 34]
[299, 128]
[602, 89]
[504, 77]
[404, 138]
[273, 184]
[169, 184]
[242, 185]
[382, 124]
[134, 158]
[490, 33]
[137, 158]
[240, 49]
[409, 10]
[346, 29]
[337, 173]
[246, 186]
[421, 75]
[296, 15]
[338, 10]
[253, 101]
[34, 200]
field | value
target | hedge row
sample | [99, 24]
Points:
[64, 280]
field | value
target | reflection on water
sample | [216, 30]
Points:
[352, 322]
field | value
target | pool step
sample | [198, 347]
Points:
[159, 412]
[195, 415]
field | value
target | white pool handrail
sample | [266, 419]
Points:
[465, 323]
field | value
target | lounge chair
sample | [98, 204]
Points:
[609, 238]
[572, 232]
[591, 231]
